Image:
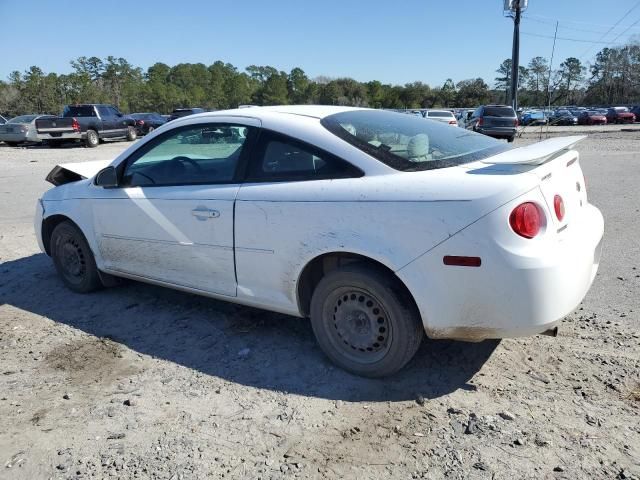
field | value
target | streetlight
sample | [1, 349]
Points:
[513, 8]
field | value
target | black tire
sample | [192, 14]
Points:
[12, 144]
[364, 321]
[131, 134]
[73, 259]
[92, 139]
[511, 139]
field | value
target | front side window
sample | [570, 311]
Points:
[197, 154]
[281, 158]
[104, 112]
[406, 143]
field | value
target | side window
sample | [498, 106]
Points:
[281, 158]
[113, 111]
[197, 154]
[104, 112]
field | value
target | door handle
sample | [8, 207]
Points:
[203, 213]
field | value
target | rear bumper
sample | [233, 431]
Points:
[60, 136]
[518, 290]
[499, 132]
[15, 137]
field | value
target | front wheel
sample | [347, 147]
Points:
[73, 259]
[131, 134]
[364, 321]
[511, 139]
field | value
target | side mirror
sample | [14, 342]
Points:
[107, 177]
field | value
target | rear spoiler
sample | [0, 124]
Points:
[72, 172]
[537, 153]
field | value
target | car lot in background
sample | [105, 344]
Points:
[444, 116]
[592, 117]
[184, 112]
[21, 129]
[147, 122]
[533, 118]
[498, 121]
[563, 117]
[620, 115]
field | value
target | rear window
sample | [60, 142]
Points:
[439, 114]
[499, 112]
[407, 143]
[621, 109]
[78, 111]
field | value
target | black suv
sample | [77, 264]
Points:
[497, 121]
[183, 112]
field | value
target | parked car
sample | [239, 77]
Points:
[563, 117]
[636, 111]
[89, 122]
[620, 115]
[463, 117]
[295, 209]
[20, 129]
[533, 118]
[592, 117]
[147, 122]
[498, 121]
[3, 120]
[444, 116]
[184, 112]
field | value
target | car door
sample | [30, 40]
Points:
[106, 115]
[273, 213]
[171, 218]
[119, 122]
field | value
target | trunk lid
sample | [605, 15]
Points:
[558, 168]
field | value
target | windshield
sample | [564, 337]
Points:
[407, 143]
[79, 111]
[23, 119]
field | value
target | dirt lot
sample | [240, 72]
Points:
[144, 382]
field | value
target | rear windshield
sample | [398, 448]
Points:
[407, 143]
[23, 119]
[439, 114]
[78, 111]
[499, 112]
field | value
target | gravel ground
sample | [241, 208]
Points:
[144, 382]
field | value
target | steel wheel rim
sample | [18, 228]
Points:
[358, 325]
[72, 260]
[93, 138]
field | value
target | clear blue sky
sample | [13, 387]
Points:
[393, 41]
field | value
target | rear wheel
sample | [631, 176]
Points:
[364, 321]
[92, 139]
[73, 259]
[131, 134]
[511, 139]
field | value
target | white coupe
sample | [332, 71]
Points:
[378, 226]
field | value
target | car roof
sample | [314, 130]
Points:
[261, 113]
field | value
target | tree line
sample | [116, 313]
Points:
[612, 78]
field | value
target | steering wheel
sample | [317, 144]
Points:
[190, 161]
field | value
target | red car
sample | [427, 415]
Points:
[620, 115]
[592, 117]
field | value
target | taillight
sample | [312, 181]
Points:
[75, 125]
[515, 122]
[479, 121]
[453, 122]
[526, 219]
[558, 206]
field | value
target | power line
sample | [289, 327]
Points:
[567, 38]
[564, 27]
[625, 31]
[552, 21]
[614, 26]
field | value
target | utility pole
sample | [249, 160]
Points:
[515, 8]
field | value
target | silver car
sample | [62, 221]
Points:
[21, 129]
